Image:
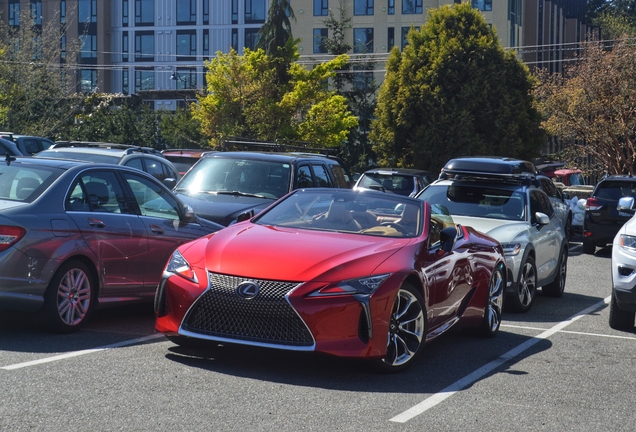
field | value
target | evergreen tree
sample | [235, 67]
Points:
[452, 92]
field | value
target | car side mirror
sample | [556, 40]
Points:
[170, 182]
[542, 218]
[245, 216]
[447, 238]
[188, 214]
[626, 204]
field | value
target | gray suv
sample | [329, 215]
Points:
[502, 198]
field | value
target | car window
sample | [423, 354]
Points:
[539, 202]
[135, 163]
[614, 190]
[31, 146]
[340, 176]
[155, 169]
[152, 199]
[549, 188]
[440, 218]
[218, 174]
[97, 191]
[477, 201]
[91, 157]
[24, 183]
[321, 175]
[305, 178]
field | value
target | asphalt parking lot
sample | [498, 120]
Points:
[558, 367]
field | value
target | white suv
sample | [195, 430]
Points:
[623, 302]
[502, 198]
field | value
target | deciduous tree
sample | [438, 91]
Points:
[593, 104]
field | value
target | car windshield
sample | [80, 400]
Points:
[396, 183]
[244, 176]
[90, 157]
[25, 183]
[477, 201]
[365, 213]
[614, 190]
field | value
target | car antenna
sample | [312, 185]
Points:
[9, 159]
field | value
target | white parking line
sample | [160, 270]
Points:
[572, 332]
[82, 352]
[469, 379]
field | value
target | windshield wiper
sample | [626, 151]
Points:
[237, 193]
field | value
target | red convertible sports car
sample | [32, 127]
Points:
[349, 273]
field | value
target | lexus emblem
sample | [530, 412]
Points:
[248, 289]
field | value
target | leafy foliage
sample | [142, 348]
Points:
[244, 100]
[454, 91]
[593, 104]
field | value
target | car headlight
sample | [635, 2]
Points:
[367, 286]
[511, 249]
[180, 266]
[627, 242]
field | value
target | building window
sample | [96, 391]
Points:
[124, 46]
[206, 11]
[144, 46]
[144, 79]
[36, 12]
[144, 12]
[251, 37]
[405, 31]
[411, 7]
[254, 11]
[88, 80]
[63, 12]
[320, 35]
[14, 13]
[186, 78]
[125, 89]
[89, 46]
[62, 47]
[186, 45]
[234, 11]
[206, 42]
[363, 7]
[87, 11]
[124, 13]
[186, 11]
[391, 7]
[235, 39]
[482, 5]
[390, 38]
[321, 7]
[362, 40]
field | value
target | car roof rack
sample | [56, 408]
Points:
[287, 146]
[490, 169]
[128, 148]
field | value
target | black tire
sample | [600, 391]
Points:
[618, 318]
[522, 300]
[69, 298]
[493, 310]
[407, 330]
[557, 286]
[589, 247]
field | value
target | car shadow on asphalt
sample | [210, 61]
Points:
[444, 361]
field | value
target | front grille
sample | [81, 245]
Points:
[267, 318]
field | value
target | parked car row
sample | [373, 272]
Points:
[277, 250]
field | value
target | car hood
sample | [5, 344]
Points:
[266, 252]
[501, 230]
[222, 209]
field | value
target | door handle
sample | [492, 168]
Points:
[156, 229]
[96, 223]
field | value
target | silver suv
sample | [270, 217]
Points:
[502, 198]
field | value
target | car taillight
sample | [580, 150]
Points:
[9, 235]
[592, 204]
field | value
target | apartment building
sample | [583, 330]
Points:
[157, 48]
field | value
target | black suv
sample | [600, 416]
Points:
[225, 187]
[602, 220]
[143, 158]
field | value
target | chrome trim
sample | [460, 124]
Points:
[244, 342]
